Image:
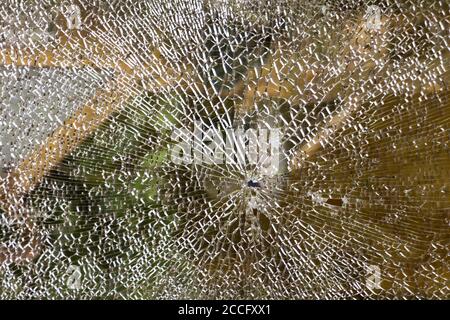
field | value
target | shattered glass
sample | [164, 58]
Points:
[155, 149]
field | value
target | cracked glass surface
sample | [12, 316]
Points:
[98, 97]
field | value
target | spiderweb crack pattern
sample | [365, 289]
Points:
[92, 92]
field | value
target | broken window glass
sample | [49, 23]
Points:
[224, 149]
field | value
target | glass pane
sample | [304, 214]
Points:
[224, 149]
